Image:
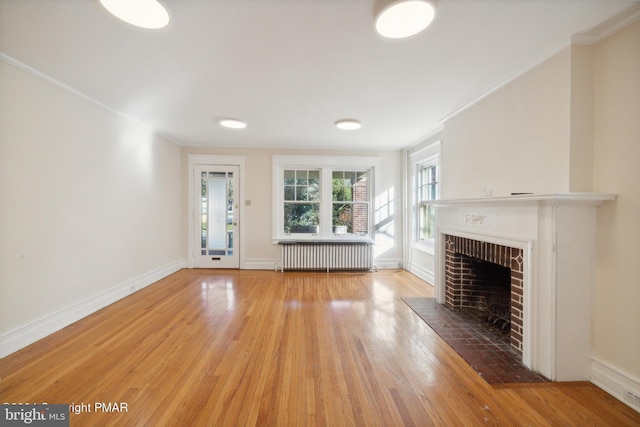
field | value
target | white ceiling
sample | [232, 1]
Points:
[291, 68]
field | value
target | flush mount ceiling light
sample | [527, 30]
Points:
[232, 123]
[404, 18]
[148, 14]
[348, 124]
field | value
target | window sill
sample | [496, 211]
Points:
[292, 240]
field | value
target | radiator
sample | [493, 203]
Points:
[327, 256]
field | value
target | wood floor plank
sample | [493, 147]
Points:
[260, 348]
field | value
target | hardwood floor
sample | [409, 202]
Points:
[207, 347]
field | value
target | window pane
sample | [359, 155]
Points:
[341, 193]
[313, 193]
[431, 226]
[426, 220]
[350, 218]
[349, 179]
[314, 178]
[301, 193]
[432, 174]
[301, 217]
[217, 210]
[342, 215]
[361, 188]
[302, 185]
[350, 186]
[301, 177]
[289, 177]
[423, 219]
[289, 192]
[360, 218]
[337, 187]
[432, 192]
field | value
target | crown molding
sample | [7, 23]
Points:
[591, 37]
[609, 27]
[68, 89]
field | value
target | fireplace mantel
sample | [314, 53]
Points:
[557, 234]
[529, 199]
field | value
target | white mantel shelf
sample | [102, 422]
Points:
[529, 199]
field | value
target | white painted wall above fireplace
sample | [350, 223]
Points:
[557, 233]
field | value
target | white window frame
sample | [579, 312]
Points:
[428, 156]
[326, 165]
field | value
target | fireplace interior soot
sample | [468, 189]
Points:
[499, 322]
[486, 289]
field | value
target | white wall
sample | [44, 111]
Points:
[89, 204]
[259, 251]
[617, 157]
[581, 149]
[514, 140]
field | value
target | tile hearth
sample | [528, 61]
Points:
[489, 353]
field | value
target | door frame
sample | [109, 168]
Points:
[212, 160]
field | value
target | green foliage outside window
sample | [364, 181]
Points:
[349, 191]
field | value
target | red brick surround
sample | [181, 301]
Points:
[459, 280]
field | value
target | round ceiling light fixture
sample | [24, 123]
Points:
[231, 123]
[149, 14]
[348, 124]
[404, 18]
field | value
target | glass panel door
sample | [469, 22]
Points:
[217, 217]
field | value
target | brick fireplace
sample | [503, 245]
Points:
[486, 277]
[548, 244]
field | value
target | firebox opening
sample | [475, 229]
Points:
[486, 288]
[487, 278]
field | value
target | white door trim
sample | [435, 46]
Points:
[212, 159]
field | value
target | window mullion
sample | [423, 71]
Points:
[326, 202]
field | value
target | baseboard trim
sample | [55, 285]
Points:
[387, 264]
[422, 273]
[22, 336]
[616, 382]
[259, 264]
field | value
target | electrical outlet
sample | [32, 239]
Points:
[633, 398]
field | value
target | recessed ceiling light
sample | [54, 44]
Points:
[348, 124]
[232, 123]
[148, 14]
[404, 18]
